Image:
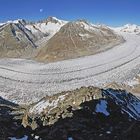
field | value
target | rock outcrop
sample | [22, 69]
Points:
[10, 120]
[85, 113]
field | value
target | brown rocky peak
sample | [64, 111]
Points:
[83, 21]
[77, 39]
[50, 19]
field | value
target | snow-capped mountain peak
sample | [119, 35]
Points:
[131, 28]
[130, 25]
[45, 29]
[51, 25]
[18, 21]
[15, 21]
[56, 20]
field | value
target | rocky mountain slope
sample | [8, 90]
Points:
[16, 40]
[76, 39]
[82, 114]
[21, 38]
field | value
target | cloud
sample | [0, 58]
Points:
[40, 10]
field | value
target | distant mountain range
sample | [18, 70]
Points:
[53, 39]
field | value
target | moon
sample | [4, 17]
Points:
[41, 10]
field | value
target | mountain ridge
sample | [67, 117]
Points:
[46, 41]
[99, 113]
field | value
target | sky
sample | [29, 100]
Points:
[110, 12]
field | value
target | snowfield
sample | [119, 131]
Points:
[26, 81]
[102, 108]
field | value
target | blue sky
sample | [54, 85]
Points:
[110, 12]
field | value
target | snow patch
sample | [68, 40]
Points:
[24, 138]
[129, 103]
[102, 108]
[50, 27]
[85, 35]
[70, 138]
[39, 107]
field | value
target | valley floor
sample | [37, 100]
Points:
[25, 81]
